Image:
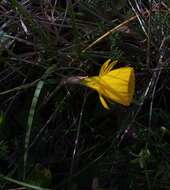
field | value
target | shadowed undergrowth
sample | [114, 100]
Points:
[55, 135]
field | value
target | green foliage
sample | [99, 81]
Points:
[3, 150]
[54, 135]
[40, 176]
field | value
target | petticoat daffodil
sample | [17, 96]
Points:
[116, 85]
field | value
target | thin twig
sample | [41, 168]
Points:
[74, 155]
[109, 33]
[149, 36]
[156, 76]
[22, 87]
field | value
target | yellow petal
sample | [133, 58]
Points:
[106, 67]
[104, 103]
[91, 82]
[111, 93]
[118, 85]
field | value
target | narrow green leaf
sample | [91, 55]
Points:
[30, 121]
[22, 183]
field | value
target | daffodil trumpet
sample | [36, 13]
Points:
[116, 85]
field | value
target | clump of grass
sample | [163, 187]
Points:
[55, 135]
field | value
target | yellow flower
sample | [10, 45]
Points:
[113, 85]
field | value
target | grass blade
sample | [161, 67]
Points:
[30, 121]
[24, 184]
